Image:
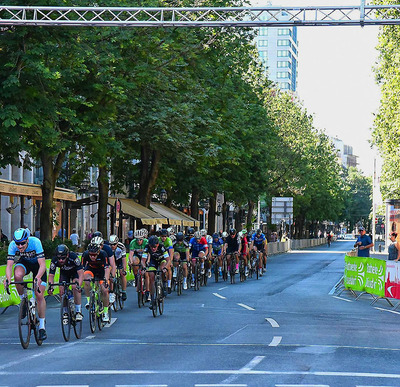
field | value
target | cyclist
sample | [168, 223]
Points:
[208, 238]
[244, 250]
[232, 246]
[111, 260]
[71, 270]
[171, 234]
[96, 265]
[198, 248]
[28, 251]
[189, 234]
[329, 238]
[154, 256]
[181, 254]
[120, 261]
[217, 246]
[259, 243]
[224, 236]
[136, 249]
[165, 241]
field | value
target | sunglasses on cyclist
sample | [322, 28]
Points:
[20, 243]
[113, 244]
[139, 239]
[93, 255]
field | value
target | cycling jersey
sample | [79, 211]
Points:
[258, 239]
[196, 247]
[233, 244]
[244, 246]
[109, 251]
[155, 258]
[72, 264]
[167, 243]
[182, 248]
[136, 248]
[32, 253]
[96, 267]
[216, 246]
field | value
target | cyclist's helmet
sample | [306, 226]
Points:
[203, 232]
[139, 234]
[97, 234]
[224, 234]
[113, 240]
[164, 232]
[170, 231]
[215, 235]
[93, 247]
[61, 252]
[97, 240]
[197, 235]
[232, 231]
[190, 231]
[153, 241]
[21, 235]
[180, 236]
[259, 231]
[145, 232]
[240, 234]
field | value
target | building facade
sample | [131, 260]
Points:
[345, 153]
[278, 51]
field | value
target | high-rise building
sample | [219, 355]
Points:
[345, 153]
[277, 48]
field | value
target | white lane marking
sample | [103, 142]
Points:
[248, 367]
[220, 384]
[113, 320]
[302, 385]
[275, 341]
[89, 337]
[65, 385]
[225, 287]
[234, 333]
[141, 385]
[273, 323]
[343, 299]
[206, 372]
[387, 310]
[219, 296]
[246, 306]
[251, 364]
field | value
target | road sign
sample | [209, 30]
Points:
[282, 210]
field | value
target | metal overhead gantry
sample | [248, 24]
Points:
[200, 16]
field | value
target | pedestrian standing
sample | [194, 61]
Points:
[74, 237]
[394, 248]
[364, 243]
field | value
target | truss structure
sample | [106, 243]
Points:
[200, 17]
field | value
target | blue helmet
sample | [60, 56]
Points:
[21, 234]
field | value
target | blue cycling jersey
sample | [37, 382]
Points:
[196, 247]
[217, 244]
[32, 253]
[258, 239]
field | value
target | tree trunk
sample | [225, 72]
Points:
[149, 169]
[194, 203]
[211, 213]
[249, 220]
[51, 171]
[103, 185]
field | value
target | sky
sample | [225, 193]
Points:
[336, 81]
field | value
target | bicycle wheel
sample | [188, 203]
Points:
[77, 327]
[65, 323]
[139, 291]
[232, 271]
[119, 295]
[160, 301]
[92, 313]
[179, 280]
[154, 299]
[100, 312]
[35, 327]
[24, 323]
[216, 271]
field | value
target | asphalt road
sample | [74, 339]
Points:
[285, 329]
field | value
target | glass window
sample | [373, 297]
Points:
[284, 31]
[284, 85]
[283, 74]
[283, 53]
[282, 63]
[283, 42]
[263, 54]
[263, 31]
[263, 43]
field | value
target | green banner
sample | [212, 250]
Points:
[375, 277]
[13, 298]
[354, 273]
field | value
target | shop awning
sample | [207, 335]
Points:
[147, 216]
[14, 188]
[174, 216]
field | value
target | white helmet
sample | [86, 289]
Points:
[170, 231]
[139, 234]
[240, 234]
[197, 235]
[203, 232]
[113, 239]
[97, 241]
[224, 234]
[145, 232]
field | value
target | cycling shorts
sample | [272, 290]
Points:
[31, 267]
[260, 247]
[68, 275]
[182, 256]
[154, 265]
[97, 274]
[119, 264]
